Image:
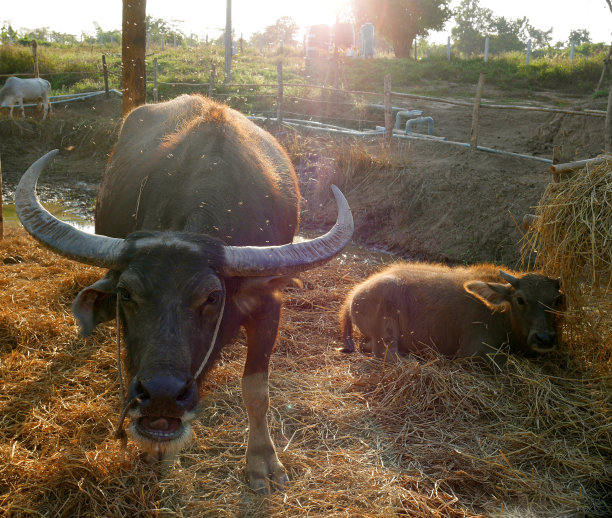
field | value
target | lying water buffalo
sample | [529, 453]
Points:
[460, 311]
[198, 207]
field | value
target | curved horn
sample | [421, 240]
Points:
[59, 236]
[250, 261]
[509, 278]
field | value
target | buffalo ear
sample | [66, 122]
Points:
[96, 303]
[252, 289]
[494, 295]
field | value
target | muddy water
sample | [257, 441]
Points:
[60, 211]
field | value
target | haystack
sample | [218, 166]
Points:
[572, 238]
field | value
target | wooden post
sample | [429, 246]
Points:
[448, 49]
[388, 111]
[486, 55]
[279, 98]
[415, 48]
[133, 47]
[228, 41]
[211, 84]
[556, 160]
[35, 57]
[603, 70]
[1, 215]
[105, 72]
[154, 80]
[476, 112]
[608, 129]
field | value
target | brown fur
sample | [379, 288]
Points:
[459, 311]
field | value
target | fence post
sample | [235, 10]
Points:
[448, 52]
[35, 57]
[154, 80]
[572, 51]
[388, 111]
[105, 71]
[528, 53]
[1, 216]
[227, 40]
[486, 57]
[211, 84]
[476, 112]
[608, 130]
[603, 70]
[279, 98]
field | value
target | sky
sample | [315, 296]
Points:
[203, 17]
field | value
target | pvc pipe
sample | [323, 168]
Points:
[419, 120]
[406, 114]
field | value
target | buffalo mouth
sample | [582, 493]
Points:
[160, 428]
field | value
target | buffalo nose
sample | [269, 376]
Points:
[166, 394]
[546, 339]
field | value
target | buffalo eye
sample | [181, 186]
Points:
[520, 300]
[124, 295]
[213, 298]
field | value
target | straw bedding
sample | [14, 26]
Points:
[428, 437]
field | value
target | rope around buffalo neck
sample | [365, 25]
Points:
[119, 432]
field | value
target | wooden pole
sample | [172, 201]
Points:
[35, 57]
[603, 70]
[388, 112]
[1, 215]
[228, 41]
[211, 84]
[579, 164]
[133, 50]
[279, 99]
[476, 112]
[608, 129]
[154, 80]
[105, 71]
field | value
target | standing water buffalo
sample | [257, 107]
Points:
[198, 207]
[17, 90]
[461, 311]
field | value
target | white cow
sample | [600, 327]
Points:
[16, 90]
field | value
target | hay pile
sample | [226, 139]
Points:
[425, 438]
[572, 238]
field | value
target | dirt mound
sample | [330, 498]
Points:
[437, 201]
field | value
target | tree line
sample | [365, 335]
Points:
[399, 23]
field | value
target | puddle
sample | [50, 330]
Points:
[57, 209]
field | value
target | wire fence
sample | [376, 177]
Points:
[318, 108]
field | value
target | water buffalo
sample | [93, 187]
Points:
[17, 90]
[461, 311]
[195, 219]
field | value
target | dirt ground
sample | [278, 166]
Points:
[444, 202]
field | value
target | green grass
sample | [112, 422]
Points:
[78, 68]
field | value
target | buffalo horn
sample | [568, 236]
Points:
[250, 261]
[509, 278]
[57, 235]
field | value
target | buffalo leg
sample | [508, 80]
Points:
[263, 465]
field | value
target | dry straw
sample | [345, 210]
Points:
[572, 238]
[428, 437]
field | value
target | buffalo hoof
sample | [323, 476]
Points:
[349, 347]
[266, 481]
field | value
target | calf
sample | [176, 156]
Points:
[17, 90]
[461, 311]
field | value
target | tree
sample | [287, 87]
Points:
[579, 36]
[284, 29]
[472, 23]
[401, 21]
